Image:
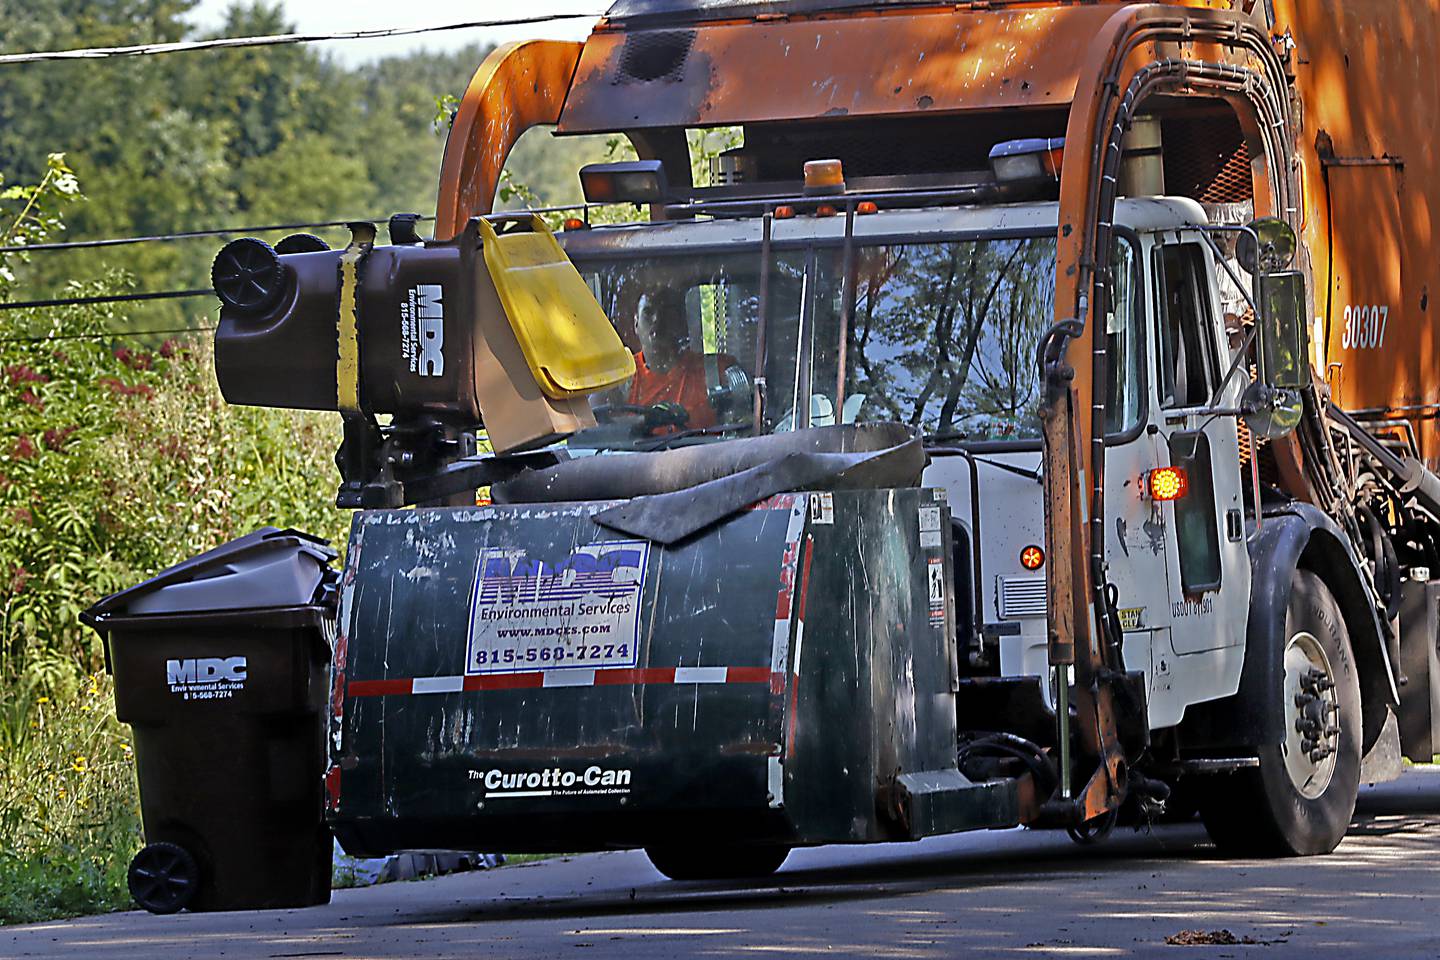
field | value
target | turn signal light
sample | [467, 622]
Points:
[1032, 557]
[1167, 483]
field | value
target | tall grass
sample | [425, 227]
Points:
[69, 820]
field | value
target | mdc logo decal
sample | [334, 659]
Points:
[206, 678]
[580, 610]
[602, 569]
[422, 329]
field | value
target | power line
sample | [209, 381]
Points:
[110, 298]
[186, 46]
[108, 334]
[185, 235]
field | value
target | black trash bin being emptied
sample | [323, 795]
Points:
[221, 666]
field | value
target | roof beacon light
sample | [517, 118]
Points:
[1018, 161]
[1167, 483]
[824, 178]
[635, 181]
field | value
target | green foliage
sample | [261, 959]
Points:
[233, 137]
[115, 462]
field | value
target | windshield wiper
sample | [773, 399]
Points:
[669, 439]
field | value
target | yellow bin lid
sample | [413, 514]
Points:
[568, 342]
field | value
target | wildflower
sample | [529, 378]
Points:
[30, 397]
[19, 373]
[121, 389]
[168, 349]
[18, 579]
[55, 439]
[23, 449]
[134, 359]
[43, 700]
[23, 515]
[80, 765]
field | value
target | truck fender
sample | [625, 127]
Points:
[1303, 536]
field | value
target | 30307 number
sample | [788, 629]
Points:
[1365, 327]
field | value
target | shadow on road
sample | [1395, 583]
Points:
[970, 862]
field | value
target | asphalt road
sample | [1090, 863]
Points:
[1007, 893]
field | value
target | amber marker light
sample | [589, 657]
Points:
[866, 207]
[575, 223]
[1032, 557]
[824, 177]
[1167, 483]
[825, 210]
[784, 213]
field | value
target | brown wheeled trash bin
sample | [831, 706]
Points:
[221, 666]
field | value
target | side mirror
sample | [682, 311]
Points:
[1266, 249]
[1283, 354]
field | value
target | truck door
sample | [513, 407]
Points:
[1207, 564]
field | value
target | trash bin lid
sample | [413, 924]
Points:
[268, 569]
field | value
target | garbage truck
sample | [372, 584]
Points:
[1009, 429]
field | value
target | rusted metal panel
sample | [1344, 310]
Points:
[1370, 92]
[519, 86]
[860, 65]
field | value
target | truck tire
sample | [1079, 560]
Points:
[736, 862]
[1299, 801]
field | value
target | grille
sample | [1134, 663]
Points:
[1022, 597]
[655, 55]
[1206, 158]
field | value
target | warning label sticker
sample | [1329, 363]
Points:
[936, 570]
[581, 610]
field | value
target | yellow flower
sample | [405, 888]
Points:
[78, 765]
[43, 700]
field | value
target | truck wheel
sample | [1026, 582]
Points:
[163, 878]
[717, 863]
[1300, 799]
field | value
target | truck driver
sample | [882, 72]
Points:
[667, 368]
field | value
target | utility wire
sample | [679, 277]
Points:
[184, 235]
[107, 335]
[186, 46]
[111, 298]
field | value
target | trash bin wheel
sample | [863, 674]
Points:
[163, 878]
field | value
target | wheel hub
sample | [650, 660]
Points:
[1312, 733]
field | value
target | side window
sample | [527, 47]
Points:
[1126, 383]
[1187, 355]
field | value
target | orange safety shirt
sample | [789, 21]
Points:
[683, 383]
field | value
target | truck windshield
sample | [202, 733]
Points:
[941, 336]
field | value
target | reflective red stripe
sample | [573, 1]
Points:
[748, 675]
[607, 678]
[535, 680]
[376, 688]
[504, 681]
